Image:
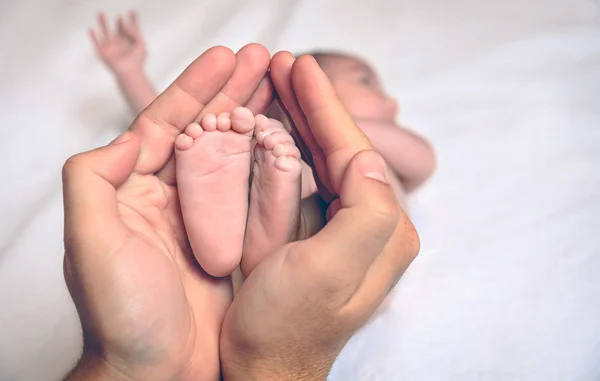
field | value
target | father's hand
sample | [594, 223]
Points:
[299, 307]
[147, 310]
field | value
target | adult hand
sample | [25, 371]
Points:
[147, 310]
[301, 304]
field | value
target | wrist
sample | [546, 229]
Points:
[93, 368]
[298, 369]
[129, 72]
[274, 374]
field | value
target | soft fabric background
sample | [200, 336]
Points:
[507, 286]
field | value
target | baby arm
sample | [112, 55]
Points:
[408, 154]
[137, 89]
[124, 53]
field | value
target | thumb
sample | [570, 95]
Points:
[366, 217]
[90, 181]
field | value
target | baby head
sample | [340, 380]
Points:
[358, 86]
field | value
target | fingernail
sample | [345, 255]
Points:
[373, 166]
[121, 139]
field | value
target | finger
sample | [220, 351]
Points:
[281, 74]
[126, 30]
[103, 26]
[90, 181]
[262, 98]
[133, 27]
[331, 125]
[121, 28]
[94, 39]
[281, 71]
[388, 268]
[340, 255]
[179, 105]
[133, 21]
[252, 62]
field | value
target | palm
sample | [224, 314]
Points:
[301, 304]
[120, 51]
[128, 263]
[268, 302]
[156, 256]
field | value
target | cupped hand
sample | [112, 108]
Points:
[147, 310]
[301, 304]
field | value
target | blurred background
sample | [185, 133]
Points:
[507, 285]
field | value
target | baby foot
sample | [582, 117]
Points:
[212, 167]
[274, 214]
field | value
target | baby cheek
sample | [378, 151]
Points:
[360, 102]
[357, 105]
[370, 108]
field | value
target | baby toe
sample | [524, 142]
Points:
[209, 122]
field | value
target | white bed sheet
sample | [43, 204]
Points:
[507, 285]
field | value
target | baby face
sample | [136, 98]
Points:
[359, 89]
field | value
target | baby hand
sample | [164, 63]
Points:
[123, 50]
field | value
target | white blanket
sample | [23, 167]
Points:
[507, 286]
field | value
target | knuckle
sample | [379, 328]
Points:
[412, 240]
[71, 166]
[406, 240]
